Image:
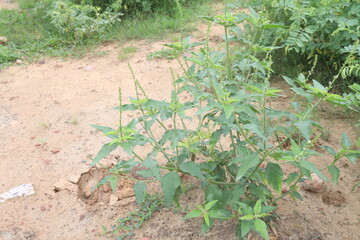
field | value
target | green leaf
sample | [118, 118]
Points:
[139, 190]
[169, 183]
[297, 195]
[291, 178]
[220, 214]
[257, 207]
[255, 129]
[228, 109]
[345, 141]
[153, 166]
[305, 128]
[105, 130]
[210, 204]
[335, 173]
[104, 151]
[246, 163]
[330, 150]
[207, 219]
[193, 214]
[245, 227]
[193, 169]
[260, 226]
[274, 175]
[311, 167]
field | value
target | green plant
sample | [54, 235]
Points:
[7, 55]
[80, 21]
[323, 28]
[126, 51]
[125, 226]
[163, 54]
[226, 136]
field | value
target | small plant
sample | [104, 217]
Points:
[6, 55]
[163, 54]
[226, 135]
[126, 52]
[72, 121]
[125, 226]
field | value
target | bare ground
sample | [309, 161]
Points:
[45, 112]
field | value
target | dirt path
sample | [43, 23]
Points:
[45, 112]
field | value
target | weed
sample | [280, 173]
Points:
[224, 137]
[126, 226]
[126, 52]
[72, 121]
[45, 125]
[163, 54]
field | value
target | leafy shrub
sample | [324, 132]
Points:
[80, 21]
[6, 55]
[226, 135]
[136, 7]
[328, 29]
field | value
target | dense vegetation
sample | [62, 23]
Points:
[319, 34]
[68, 27]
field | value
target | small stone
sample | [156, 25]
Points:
[55, 151]
[82, 216]
[125, 193]
[113, 199]
[19, 61]
[89, 68]
[43, 208]
[42, 61]
[58, 65]
[3, 40]
[316, 184]
[63, 184]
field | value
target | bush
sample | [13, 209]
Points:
[323, 28]
[80, 21]
[226, 135]
[6, 55]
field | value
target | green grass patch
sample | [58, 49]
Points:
[30, 33]
[126, 52]
[163, 54]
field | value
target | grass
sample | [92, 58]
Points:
[162, 54]
[32, 36]
[126, 52]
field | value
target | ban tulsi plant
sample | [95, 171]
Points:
[226, 134]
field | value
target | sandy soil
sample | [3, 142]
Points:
[8, 4]
[45, 112]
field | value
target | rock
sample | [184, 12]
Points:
[89, 68]
[58, 65]
[42, 61]
[19, 61]
[316, 184]
[82, 216]
[333, 198]
[63, 184]
[125, 193]
[55, 151]
[3, 40]
[113, 199]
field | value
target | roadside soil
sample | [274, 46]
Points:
[46, 109]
